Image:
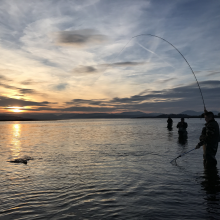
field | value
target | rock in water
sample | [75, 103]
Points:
[19, 160]
[24, 160]
[27, 158]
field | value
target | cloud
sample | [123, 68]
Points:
[127, 64]
[27, 91]
[80, 38]
[60, 87]
[85, 101]
[29, 50]
[213, 73]
[77, 109]
[7, 86]
[167, 80]
[210, 90]
[86, 70]
[6, 101]
[21, 90]
[176, 99]
[89, 109]
[3, 78]
[172, 100]
[29, 82]
[98, 68]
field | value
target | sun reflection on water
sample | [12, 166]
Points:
[15, 141]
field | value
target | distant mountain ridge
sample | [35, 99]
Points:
[47, 116]
[137, 114]
[194, 113]
[7, 117]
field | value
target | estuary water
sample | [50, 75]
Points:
[105, 169]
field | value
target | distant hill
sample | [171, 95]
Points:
[137, 114]
[177, 116]
[7, 117]
[91, 115]
[40, 116]
[194, 113]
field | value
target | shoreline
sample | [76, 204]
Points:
[160, 117]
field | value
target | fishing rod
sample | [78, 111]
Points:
[174, 48]
[182, 155]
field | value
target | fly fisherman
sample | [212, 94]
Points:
[182, 125]
[209, 140]
[169, 122]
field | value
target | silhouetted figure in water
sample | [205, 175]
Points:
[169, 123]
[209, 140]
[182, 125]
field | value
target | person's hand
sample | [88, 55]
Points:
[197, 146]
[205, 110]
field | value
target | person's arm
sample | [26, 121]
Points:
[201, 138]
[208, 134]
[177, 125]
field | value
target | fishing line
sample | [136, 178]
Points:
[174, 48]
[182, 155]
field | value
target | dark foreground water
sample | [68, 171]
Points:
[104, 169]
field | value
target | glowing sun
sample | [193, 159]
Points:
[16, 109]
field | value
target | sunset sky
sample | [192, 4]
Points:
[65, 56]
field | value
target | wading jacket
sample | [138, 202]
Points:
[210, 138]
[182, 126]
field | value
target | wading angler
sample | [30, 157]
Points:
[209, 140]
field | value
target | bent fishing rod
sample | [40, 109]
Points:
[177, 51]
[182, 155]
[189, 67]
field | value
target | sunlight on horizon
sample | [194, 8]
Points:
[15, 109]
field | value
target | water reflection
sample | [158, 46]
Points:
[15, 140]
[170, 134]
[183, 140]
[211, 185]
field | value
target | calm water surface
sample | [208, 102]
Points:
[104, 169]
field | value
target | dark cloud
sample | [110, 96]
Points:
[85, 101]
[29, 82]
[7, 86]
[127, 64]
[89, 109]
[60, 87]
[210, 89]
[167, 80]
[27, 91]
[22, 91]
[3, 78]
[6, 102]
[168, 101]
[85, 70]
[176, 99]
[80, 38]
[76, 109]
[99, 68]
